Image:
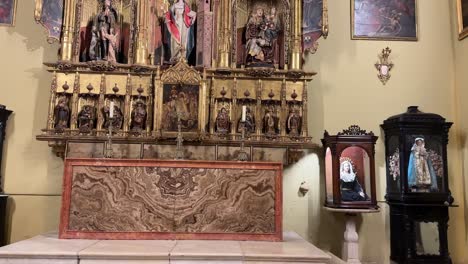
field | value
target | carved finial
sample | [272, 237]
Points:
[89, 87]
[271, 94]
[247, 93]
[355, 130]
[294, 95]
[223, 92]
[115, 89]
[140, 90]
[65, 86]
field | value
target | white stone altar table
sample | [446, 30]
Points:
[48, 249]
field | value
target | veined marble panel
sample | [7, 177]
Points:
[135, 199]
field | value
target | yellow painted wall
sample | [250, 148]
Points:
[428, 73]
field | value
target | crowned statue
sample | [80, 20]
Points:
[179, 33]
[351, 190]
[421, 173]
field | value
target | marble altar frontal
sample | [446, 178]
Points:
[150, 199]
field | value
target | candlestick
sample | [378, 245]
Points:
[244, 112]
[111, 110]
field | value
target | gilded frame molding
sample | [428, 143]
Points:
[353, 37]
[462, 32]
[13, 19]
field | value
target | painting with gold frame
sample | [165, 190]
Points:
[462, 9]
[7, 12]
[49, 13]
[384, 20]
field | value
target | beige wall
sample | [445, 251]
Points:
[461, 84]
[346, 91]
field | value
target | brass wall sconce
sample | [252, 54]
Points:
[384, 66]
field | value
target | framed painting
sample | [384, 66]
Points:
[384, 20]
[7, 12]
[49, 13]
[462, 8]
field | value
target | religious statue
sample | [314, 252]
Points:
[179, 37]
[138, 117]
[293, 123]
[62, 114]
[262, 38]
[249, 123]
[351, 190]
[104, 41]
[421, 173]
[270, 122]
[86, 118]
[117, 119]
[222, 121]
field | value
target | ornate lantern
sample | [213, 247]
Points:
[350, 169]
[417, 186]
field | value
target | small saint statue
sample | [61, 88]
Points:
[138, 117]
[248, 124]
[270, 122]
[222, 121]
[86, 119]
[421, 173]
[293, 122]
[62, 114]
[179, 34]
[104, 41]
[117, 119]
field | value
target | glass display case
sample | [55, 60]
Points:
[416, 157]
[417, 186]
[350, 169]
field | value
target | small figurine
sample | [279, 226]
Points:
[294, 122]
[351, 190]
[270, 122]
[421, 173]
[86, 119]
[104, 40]
[222, 121]
[249, 123]
[117, 119]
[62, 114]
[138, 117]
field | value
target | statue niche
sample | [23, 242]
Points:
[106, 35]
[178, 33]
[260, 33]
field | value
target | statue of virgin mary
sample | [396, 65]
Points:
[179, 34]
[351, 190]
[421, 174]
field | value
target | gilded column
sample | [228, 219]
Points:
[128, 105]
[75, 102]
[142, 33]
[68, 30]
[295, 62]
[53, 94]
[305, 129]
[224, 34]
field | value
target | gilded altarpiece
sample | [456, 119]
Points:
[133, 70]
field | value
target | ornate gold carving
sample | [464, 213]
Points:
[260, 72]
[181, 73]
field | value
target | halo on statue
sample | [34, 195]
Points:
[344, 159]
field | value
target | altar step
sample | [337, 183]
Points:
[48, 249]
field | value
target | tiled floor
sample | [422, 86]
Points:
[48, 249]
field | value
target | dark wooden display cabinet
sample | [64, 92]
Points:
[417, 186]
[4, 114]
[350, 169]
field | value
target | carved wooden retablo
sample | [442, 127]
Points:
[198, 60]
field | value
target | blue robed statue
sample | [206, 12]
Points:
[421, 174]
